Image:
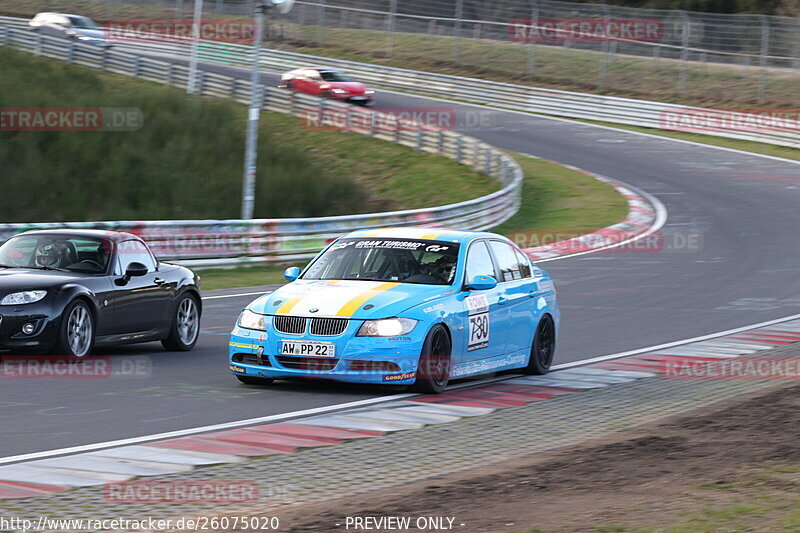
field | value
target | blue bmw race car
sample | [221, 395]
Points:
[406, 306]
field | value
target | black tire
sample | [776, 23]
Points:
[184, 330]
[543, 348]
[248, 380]
[433, 370]
[76, 332]
[327, 95]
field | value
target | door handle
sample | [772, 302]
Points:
[532, 293]
[502, 300]
[159, 281]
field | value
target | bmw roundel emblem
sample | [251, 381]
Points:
[313, 310]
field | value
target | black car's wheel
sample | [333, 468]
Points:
[433, 370]
[543, 348]
[248, 380]
[76, 331]
[185, 325]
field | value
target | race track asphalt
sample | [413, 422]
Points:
[740, 210]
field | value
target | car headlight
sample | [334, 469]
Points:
[338, 91]
[369, 91]
[251, 320]
[25, 297]
[386, 327]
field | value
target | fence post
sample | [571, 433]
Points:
[601, 82]
[684, 52]
[534, 28]
[170, 74]
[459, 141]
[321, 22]
[137, 66]
[71, 53]
[762, 78]
[420, 140]
[372, 120]
[39, 38]
[4, 33]
[390, 27]
[459, 16]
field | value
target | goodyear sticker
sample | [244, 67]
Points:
[239, 369]
[243, 345]
[400, 377]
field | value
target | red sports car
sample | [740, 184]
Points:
[328, 83]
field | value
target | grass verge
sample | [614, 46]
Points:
[185, 162]
[554, 199]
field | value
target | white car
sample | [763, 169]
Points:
[71, 26]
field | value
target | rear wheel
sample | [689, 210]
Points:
[543, 348]
[76, 332]
[433, 370]
[247, 380]
[185, 325]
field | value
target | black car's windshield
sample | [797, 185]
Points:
[83, 23]
[56, 252]
[333, 75]
[399, 260]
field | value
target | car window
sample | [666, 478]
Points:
[56, 251]
[134, 252]
[393, 260]
[479, 261]
[524, 263]
[333, 75]
[507, 259]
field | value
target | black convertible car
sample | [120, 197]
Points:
[66, 291]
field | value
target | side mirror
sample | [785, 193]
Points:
[482, 283]
[135, 270]
[291, 273]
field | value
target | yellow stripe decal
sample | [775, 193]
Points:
[352, 306]
[289, 304]
[432, 235]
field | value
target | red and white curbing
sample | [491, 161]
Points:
[47, 476]
[645, 216]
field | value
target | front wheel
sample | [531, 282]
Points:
[543, 348]
[76, 332]
[433, 370]
[185, 326]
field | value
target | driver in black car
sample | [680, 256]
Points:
[50, 255]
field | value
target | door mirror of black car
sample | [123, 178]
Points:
[135, 270]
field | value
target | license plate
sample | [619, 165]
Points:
[308, 349]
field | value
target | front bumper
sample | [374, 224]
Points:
[12, 319]
[357, 360]
[358, 100]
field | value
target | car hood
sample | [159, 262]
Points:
[347, 299]
[23, 279]
[349, 86]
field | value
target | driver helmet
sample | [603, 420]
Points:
[49, 255]
[444, 267]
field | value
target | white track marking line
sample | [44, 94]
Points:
[673, 344]
[236, 295]
[203, 429]
[370, 401]
[612, 128]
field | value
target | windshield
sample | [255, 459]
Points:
[333, 75]
[399, 260]
[83, 23]
[56, 252]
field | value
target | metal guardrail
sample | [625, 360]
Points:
[225, 242]
[757, 126]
